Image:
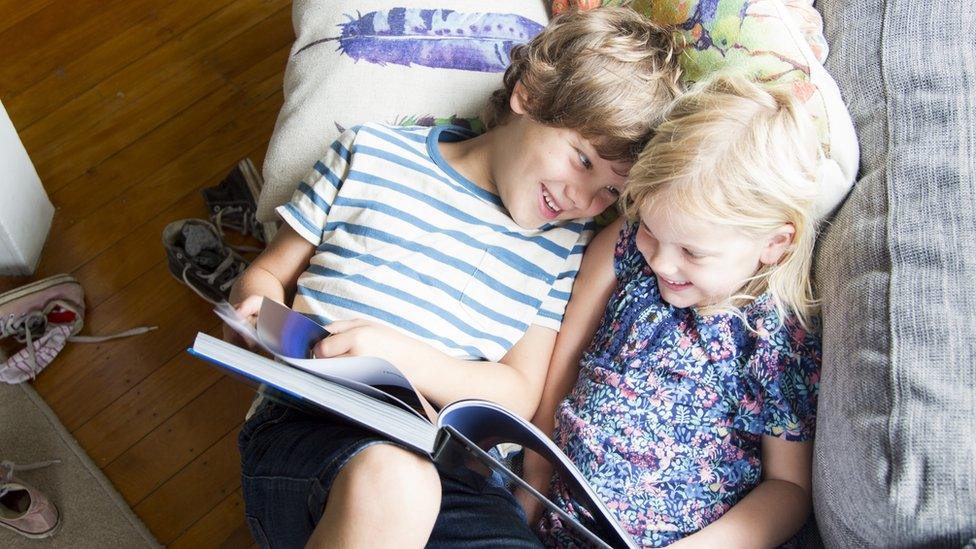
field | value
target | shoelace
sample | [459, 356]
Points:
[7, 469]
[248, 226]
[218, 273]
[22, 329]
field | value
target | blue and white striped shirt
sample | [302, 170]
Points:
[405, 240]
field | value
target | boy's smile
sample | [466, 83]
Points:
[542, 174]
[545, 174]
[548, 206]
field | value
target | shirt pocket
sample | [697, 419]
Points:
[498, 292]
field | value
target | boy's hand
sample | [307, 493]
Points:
[247, 311]
[363, 338]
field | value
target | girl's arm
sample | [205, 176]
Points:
[594, 284]
[774, 510]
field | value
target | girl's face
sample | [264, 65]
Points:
[698, 263]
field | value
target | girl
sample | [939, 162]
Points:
[690, 333]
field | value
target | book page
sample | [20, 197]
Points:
[290, 337]
[488, 424]
[391, 420]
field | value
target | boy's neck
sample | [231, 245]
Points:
[472, 158]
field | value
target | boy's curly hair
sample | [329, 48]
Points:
[607, 73]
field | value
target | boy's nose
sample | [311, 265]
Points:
[579, 196]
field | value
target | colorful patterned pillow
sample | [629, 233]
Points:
[807, 18]
[762, 39]
[392, 61]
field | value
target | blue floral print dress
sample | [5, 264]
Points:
[667, 415]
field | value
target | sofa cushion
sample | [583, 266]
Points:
[403, 62]
[894, 454]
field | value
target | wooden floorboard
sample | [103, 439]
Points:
[128, 108]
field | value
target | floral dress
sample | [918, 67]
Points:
[667, 415]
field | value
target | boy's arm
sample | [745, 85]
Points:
[514, 382]
[774, 510]
[273, 274]
[594, 284]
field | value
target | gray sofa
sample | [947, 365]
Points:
[895, 458]
[896, 443]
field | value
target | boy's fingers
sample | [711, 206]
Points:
[339, 326]
[331, 347]
[249, 306]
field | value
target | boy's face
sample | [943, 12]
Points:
[545, 174]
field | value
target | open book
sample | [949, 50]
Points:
[373, 393]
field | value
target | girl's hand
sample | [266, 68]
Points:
[530, 504]
[537, 472]
[359, 337]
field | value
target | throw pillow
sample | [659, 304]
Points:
[763, 40]
[401, 62]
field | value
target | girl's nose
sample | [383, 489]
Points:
[661, 263]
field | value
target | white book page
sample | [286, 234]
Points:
[488, 424]
[352, 404]
[289, 336]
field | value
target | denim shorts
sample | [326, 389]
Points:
[289, 460]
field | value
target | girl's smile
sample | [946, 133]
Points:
[700, 263]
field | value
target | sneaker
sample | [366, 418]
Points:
[42, 317]
[23, 508]
[198, 257]
[233, 202]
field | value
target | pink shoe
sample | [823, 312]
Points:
[41, 315]
[23, 508]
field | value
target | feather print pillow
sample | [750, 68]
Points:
[392, 61]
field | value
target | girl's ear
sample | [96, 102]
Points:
[519, 99]
[778, 243]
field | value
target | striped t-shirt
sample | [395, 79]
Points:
[405, 240]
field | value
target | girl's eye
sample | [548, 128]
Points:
[614, 191]
[692, 254]
[584, 161]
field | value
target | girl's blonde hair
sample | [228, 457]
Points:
[607, 73]
[742, 155]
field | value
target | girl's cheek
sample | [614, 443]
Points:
[642, 245]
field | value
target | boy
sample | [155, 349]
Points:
[452, 257]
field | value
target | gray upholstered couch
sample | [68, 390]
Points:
[895, 460]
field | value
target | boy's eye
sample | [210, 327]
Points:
[692, 254]
[614, 191]
[584, 160]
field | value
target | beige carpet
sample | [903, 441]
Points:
[93, 513]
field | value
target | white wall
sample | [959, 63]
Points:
[25, 211]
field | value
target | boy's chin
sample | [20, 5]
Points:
[529, 222]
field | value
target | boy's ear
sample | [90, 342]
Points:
[519, 99]
[778, 243]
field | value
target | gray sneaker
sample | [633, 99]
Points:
[232, 203]
[199, 257]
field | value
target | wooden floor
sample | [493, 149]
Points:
[127, 108]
